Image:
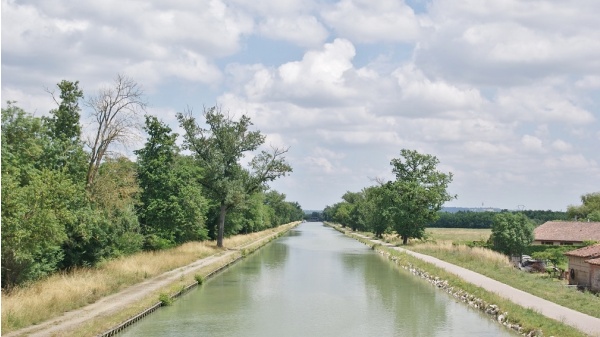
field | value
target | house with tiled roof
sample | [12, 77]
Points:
[566, 233]
[584, 267]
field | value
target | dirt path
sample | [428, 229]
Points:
[586, 323]
[123, 299]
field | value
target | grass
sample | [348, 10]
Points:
[459, 235]
[61, 292]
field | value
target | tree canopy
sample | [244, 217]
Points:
[511, 233]
[219, 149]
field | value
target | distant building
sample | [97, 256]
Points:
[584, 267]
[566, 233]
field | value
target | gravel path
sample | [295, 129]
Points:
[586, 323]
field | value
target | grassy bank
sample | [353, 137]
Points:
[527, 319]
[63, 292]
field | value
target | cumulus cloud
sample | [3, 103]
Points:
[368, 21]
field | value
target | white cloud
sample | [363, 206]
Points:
[561, 145]
[532, 143]
[370, 21]
[304, 30]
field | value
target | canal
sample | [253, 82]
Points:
[314, 281]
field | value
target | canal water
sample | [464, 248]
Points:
[314, 281]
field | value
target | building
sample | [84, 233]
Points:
[566, 233]
[584, 267]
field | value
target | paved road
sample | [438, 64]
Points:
[586, 323]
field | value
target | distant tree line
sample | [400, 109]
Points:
[70, 200]
[468, 219]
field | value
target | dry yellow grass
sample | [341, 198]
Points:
[61, 292]
[463, 252]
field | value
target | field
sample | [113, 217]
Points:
[458, 235]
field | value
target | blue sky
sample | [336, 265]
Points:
[505, 93]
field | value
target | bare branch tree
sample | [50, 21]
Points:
[116, 112]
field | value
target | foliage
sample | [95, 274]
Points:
[589, 209]
[555, 255]
[219, 149]
[172, 209]
[512, 233]
[417, 194]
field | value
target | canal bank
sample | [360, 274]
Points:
[112, 311]
[527, 314]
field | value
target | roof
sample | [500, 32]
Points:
[594, 261]
[589, 251]
[568, 231]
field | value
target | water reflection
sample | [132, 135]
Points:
[315, 282]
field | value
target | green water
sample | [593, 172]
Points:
[315, 281]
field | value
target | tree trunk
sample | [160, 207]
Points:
[221, 230]
[405, 240]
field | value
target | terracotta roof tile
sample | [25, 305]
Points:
[567, 231]
[594, 261]
[589, 251]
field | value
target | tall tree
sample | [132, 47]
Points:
[65, 151]
[219, 149]
[511, 233]
[115, 111]
[172, 207]
[417, 194]
[64, 123]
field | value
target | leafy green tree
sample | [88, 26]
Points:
[107, 225]
[172, 208]
[219, 149]
[590, 208]
[417, 194]
[512, 233]
[37, 202]
[373, 210]
[65, 151]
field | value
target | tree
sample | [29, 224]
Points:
[219, 149]
[511, 233]
[172, 208]
[417, 194]
[65, 150]
[372, 210]
[590, 208]
[115, 112]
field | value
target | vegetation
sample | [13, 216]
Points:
[511, 233]
[589, 210]
[219, 149]
[468, 219]
[403, 206]
[69, 203]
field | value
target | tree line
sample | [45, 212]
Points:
[70, 200]
[403, 206]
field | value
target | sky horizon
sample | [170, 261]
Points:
[505, 93]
